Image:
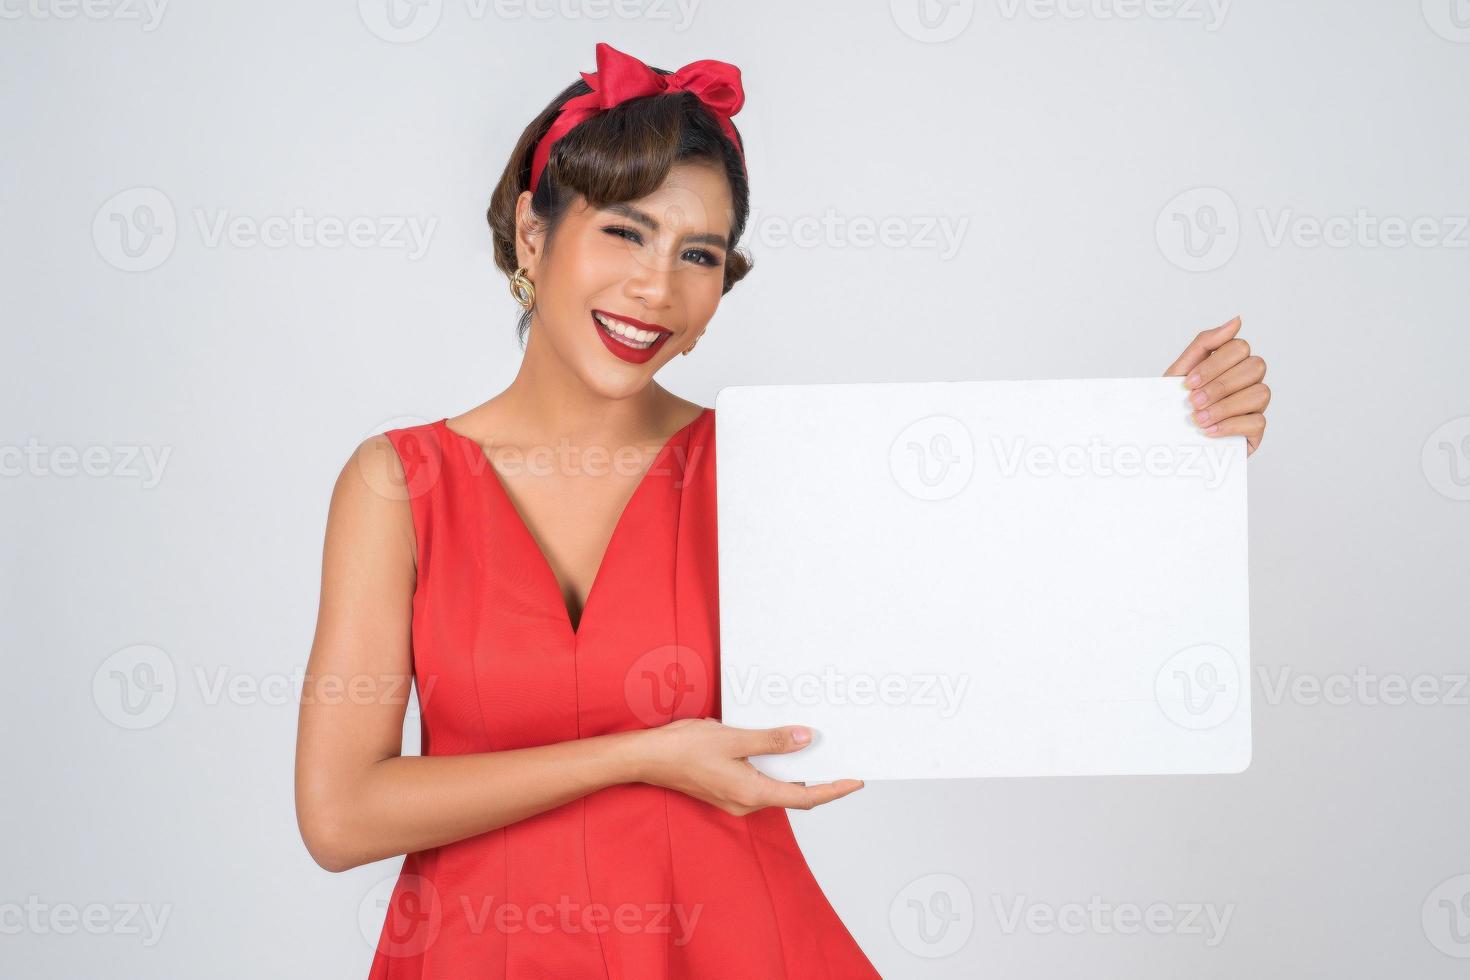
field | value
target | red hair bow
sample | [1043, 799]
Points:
[620, 77]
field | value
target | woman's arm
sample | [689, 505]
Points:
[358, 799]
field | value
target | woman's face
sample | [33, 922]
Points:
[656, 265]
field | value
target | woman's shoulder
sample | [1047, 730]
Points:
[683, 411]
[702, 425]
[684, 418]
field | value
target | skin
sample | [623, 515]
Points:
[358, 799]
[1224, 381]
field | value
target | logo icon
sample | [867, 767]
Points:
[401, 21]
[932, 21]
[933, 915]
[1446, 917]
[136, 687]
[1450, 19]
[1446, 458]
[667, 683]
[135, 230]
[1199, 230]
[933, 458]
[401, 915]
[1198, 687]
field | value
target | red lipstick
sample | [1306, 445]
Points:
[634, 355]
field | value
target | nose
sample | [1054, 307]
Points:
[651, 280]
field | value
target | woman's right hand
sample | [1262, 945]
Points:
[707, 760]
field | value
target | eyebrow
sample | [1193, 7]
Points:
[647, 220]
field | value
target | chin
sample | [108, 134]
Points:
[615, 382]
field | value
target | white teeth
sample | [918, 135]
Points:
[631, 336]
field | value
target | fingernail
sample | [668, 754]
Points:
[1193, 380]
[1202, 417]
[1211, 430]
[801, 736]
[1198, 398]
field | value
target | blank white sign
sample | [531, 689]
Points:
[989, 578]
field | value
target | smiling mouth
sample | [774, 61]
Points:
[627, 334]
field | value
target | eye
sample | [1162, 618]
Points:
[625, 233]
[703, 257]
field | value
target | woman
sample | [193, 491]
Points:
[578, 811]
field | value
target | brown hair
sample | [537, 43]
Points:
[616, 156]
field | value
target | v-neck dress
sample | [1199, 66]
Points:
[632, 882]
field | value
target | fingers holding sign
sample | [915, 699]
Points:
[1225, 383]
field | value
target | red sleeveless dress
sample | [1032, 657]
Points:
[633, 882]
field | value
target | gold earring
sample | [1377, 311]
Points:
[686, 351]
[523, 289]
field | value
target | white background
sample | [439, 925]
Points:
[1053, 143]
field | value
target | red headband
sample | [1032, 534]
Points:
[620, 77]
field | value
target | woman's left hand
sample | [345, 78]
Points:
[1225, 381]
